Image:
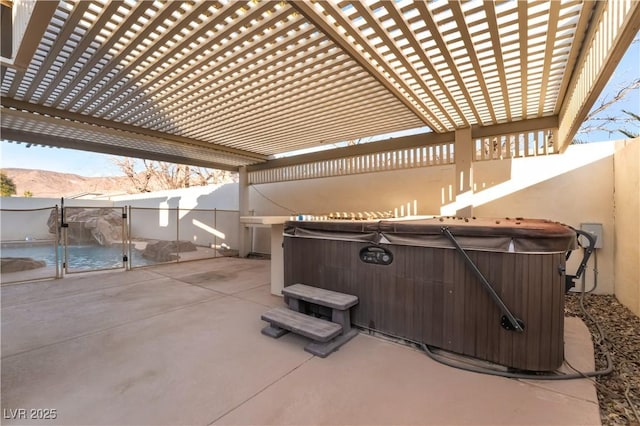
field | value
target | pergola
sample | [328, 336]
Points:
[232, 84]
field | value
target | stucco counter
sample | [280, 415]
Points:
[276, 223]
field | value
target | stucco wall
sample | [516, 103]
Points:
[421, 189]
[223, 197]
[573, 188]
[383, 191]
[20, 225]
[200, 227]
[627, 212]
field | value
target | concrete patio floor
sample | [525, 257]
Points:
[181, 344]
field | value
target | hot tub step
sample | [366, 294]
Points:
[324, 349]
[314, 328]
[320, 296]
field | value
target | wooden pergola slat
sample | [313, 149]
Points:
[252, 79]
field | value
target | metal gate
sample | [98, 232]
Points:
[93, 238]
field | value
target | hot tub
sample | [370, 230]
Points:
[413, 282]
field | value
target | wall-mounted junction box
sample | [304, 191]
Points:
[594, 229]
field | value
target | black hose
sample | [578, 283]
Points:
[525, 376]
[507, 374]
[595, 277]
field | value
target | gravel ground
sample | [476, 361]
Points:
[618, 392]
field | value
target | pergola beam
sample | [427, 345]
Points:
[30, 20]
[82, 145]
[407, 142]
[582, 33]
[515, 127]
[109, 124]
[614, 26]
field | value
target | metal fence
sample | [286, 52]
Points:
[165, 235]
[29, 245]
[46, 243]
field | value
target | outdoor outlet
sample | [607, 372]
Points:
[594, 229]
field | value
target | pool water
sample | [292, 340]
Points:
[85, 257]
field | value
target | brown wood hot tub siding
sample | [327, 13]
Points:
[429, 295]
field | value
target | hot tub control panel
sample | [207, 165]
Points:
[376, 255]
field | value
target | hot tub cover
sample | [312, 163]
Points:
[487, 234]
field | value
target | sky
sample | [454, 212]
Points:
[13, 155]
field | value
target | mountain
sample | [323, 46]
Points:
[46, 184]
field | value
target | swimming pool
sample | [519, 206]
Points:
[80, 258]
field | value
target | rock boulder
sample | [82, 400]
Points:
[91, 225]
[167, 251]
[17, 264]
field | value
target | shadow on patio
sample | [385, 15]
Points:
[181, 344]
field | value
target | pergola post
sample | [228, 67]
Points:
[244, 243]
[464, 173]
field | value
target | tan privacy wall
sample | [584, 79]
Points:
[627, 211]
[425, 188]
[573, 188]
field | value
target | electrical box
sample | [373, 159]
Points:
[594, 229]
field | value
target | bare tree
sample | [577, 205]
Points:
[596, 121]
[602, 118]
[202, 176]
[635, 118]
[140, 180]
[158, 175]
